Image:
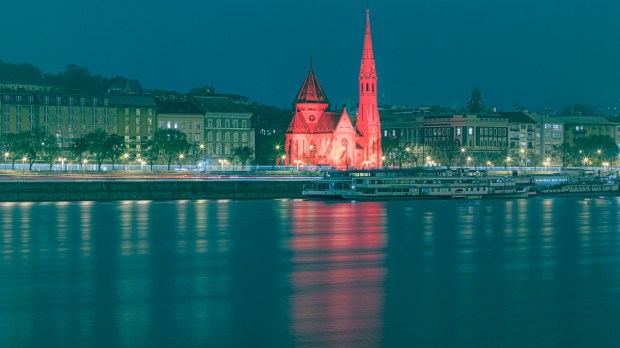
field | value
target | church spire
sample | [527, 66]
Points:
[368, 124]
[368, 60]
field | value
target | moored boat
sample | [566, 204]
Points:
[413, 184]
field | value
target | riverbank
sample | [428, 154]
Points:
[111, 189]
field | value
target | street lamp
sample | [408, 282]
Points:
[297, 162]
[508, 159]
[605, 166]
[84, 162]
[468, 159]
[6, 155]
[62, 163]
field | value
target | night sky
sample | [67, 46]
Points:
[532, 53]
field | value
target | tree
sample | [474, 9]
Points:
[115, 147]
[475, 101]
[151, 152]
[33, 143]
[171, 143]
[448, 150]
[595, 148]
[78, 148]
[12, 147]
[98, 146]
[50, 150]
[244, 154]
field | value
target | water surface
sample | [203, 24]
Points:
[543, 272]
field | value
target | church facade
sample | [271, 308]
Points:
[317, 136]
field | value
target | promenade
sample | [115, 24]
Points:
[26, 186]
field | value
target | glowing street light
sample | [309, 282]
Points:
[62, 163]
[6, 155]
[297, 162]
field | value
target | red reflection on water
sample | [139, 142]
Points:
[339, 273]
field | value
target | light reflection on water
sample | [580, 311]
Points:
[538, 272]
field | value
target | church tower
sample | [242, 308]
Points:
[368, 123]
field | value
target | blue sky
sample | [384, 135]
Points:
[535, 54]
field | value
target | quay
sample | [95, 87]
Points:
[68, 188]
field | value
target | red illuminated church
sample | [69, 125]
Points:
[317, 136]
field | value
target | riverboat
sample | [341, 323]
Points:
[414, 184]
[583, 185]
[331, 186]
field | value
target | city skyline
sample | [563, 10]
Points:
[531, 54]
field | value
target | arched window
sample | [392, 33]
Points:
[366, 86]
[373, 88]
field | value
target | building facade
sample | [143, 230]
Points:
[317, 136]
[227, 125]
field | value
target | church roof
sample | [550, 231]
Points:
[327, 123]
[311, 91]
[298, 125]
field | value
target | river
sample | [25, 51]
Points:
[542, 272]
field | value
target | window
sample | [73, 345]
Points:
[209, 123]
[243, 124]
[470, 131]
[227, 123]
[137, 112]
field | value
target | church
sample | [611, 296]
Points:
[317, 136]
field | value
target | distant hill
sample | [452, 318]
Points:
[72, 79]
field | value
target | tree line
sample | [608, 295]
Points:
[40, 146]
[72, 79]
